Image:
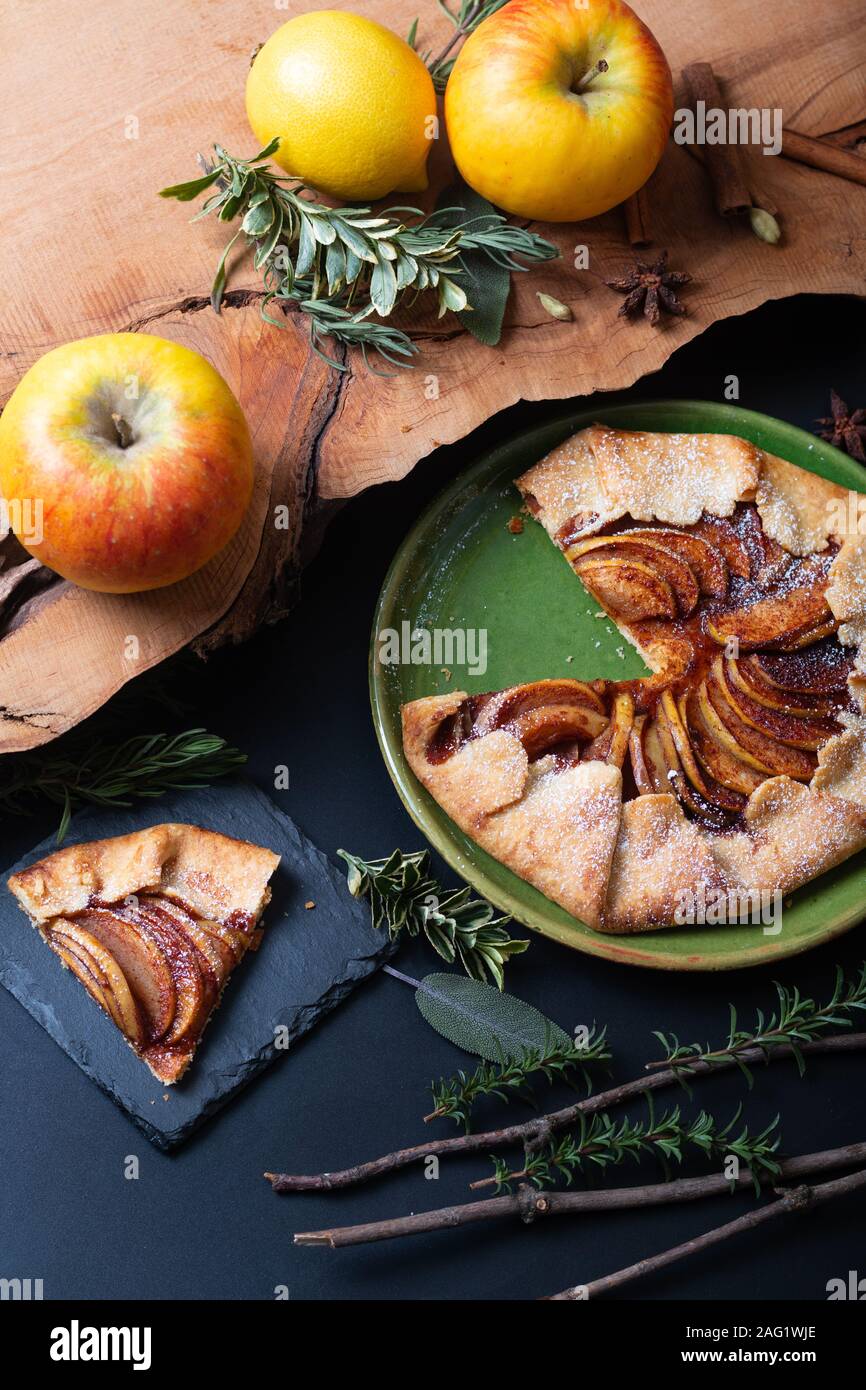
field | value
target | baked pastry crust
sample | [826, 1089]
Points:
[182, 903]
[560, 819]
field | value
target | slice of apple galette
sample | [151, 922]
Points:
[737, 766]
[152, 924]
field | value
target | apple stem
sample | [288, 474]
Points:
[124, 431]
[601, 66]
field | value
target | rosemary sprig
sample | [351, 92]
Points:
[404, 897]
[467, 17]
[111, 774]
[797, 1020]
[527, 1132]
[338, 266]
[602, 1142]
[454, 1097]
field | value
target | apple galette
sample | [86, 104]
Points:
[739, 765]
[152, 924]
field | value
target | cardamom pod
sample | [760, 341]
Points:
[554, 307]
[764, 225]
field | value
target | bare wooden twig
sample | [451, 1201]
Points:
[795, 1199]
[529, 1204]
[558, 1119]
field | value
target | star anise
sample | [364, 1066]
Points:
[651, 289]
[845, 428]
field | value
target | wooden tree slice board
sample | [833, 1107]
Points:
[102, 108]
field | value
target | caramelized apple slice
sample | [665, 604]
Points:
[670, 716]
[194, 993]
[678, 783]
[63, 948]
[718, 532]
[630, 590]
[215, 954]
[786, 728]
[782, 616]
[747, 675]
[769, 562]
[823, 670]
[101, 964]
[623, 546]
[657, 767]
[748, 744]
[706, 564]
[806, 637]
[143, 963]
[640, 771]
[539, 729]
[234, 940]
[714, 755]
[498, 709]
[611, 746]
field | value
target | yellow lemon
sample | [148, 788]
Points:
[353, 105]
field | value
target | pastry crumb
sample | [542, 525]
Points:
[309, 904]
[515, 525]
[446, 673]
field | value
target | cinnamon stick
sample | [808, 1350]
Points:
[637, 218]
[723, 162]
[849, 138]
[757, 196]
[820, 154]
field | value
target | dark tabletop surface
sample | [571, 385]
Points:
[203, 1223]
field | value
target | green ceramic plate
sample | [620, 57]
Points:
[461, 568]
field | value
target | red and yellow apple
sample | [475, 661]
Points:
[559, 109]
[134, 457]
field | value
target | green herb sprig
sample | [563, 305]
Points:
[404, 897]
[454, 1097]
[601, 1142]
[796, 1020]
[112, 774]
[467, 17]
[340, 266]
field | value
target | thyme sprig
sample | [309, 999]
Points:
[454, 1097]
[795, 1021]
[112, 774]
[404, 897]
[339, 266]
[601, 1141]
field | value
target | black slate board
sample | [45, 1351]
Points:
[309, 960]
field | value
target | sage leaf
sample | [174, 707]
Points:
[487, 283]
[407, 253]
[481, 1020]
